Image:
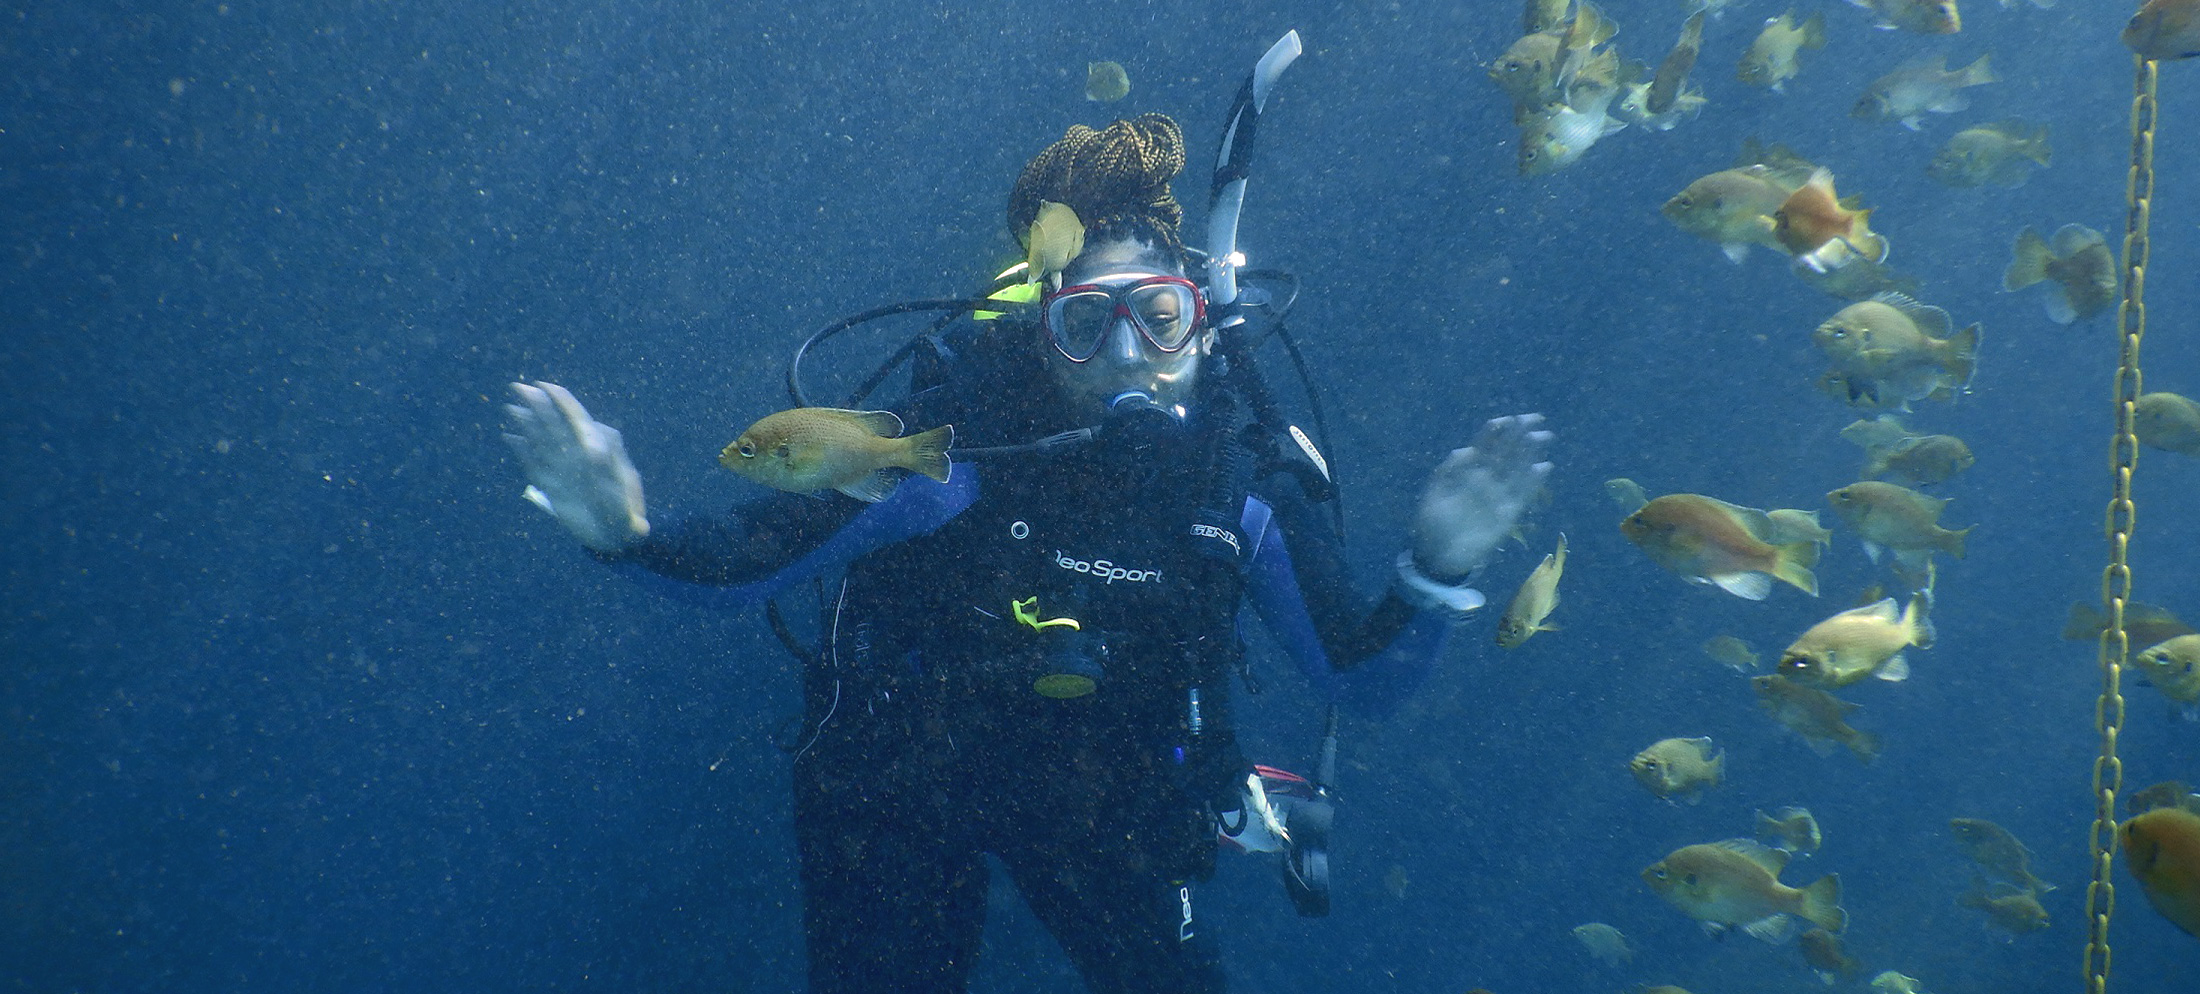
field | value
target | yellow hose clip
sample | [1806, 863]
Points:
[1027, 611]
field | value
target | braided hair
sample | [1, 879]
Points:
[1115, 178]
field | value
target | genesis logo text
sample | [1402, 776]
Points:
[1107, 572]
[1210, 531]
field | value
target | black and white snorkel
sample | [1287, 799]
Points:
[1233, 165]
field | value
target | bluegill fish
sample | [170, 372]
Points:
[1542, 67]
[1707, 540]
[2008, 907]
[1895, 982]
[1792, 828]
[1559, 134]
[1534, 602]
[2173, 667]
[1894, 454]
[2145, 624]
[1891, 350]
[812, 449]
[1056, 236]
[1605, 943]
[2077, 264]
[1824, 231]
[2002, 153]
[1859, 642]
[1925, 17]
[2163, 30]
[1732, 207]
[1663, 93]
[1819, 717]
[1822, 950]
[1732, 653]
[1997, 852]
[2162, 848]
[1887, 517]
[1774, 58]
[1919, 86]
[1737, 882]
[2167, 421]
[1106, 82]
[1679, 768]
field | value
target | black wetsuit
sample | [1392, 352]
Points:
[925, 744]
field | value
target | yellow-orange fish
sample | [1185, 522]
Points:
[2162, 849]
[1819, 717]
[1859, 642]
[1706, 540]
[1737, 882]
[810, 449]
[1823, 232]
[2167, 421]
[2163, 30]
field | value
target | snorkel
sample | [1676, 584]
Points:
[1233, 165]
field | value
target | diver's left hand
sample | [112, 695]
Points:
[1475, 496]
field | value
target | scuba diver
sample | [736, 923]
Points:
[1032, 659]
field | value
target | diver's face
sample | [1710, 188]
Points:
[1126, 366]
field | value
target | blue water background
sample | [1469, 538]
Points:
[298, 694]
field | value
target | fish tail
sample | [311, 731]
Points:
[1822, 904]
[926, 453]
[1959, 356]
[1953, 542]
[1792, 563]
[1866, 747]
[2030, 265]
[1814, 31]
[1917, 620]
[2037, 148]
[1978, 73]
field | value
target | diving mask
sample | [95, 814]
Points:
[1164, 309]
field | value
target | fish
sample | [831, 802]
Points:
[1997, 852]
[2144, 624]
[1737, 882]
[1925, 17]
[2162, 849]
[813, 449]
[1106, 82]
[1819, 717]
[1056, 237]
[2009, 908]
[1823, 952]
[2001, 153]
[1732, 653]
[1663, 94]
[1534, 602]
[2165, 30]
[1706, 540]
[1919, 86]
[1790, 829]
[1857, 278]
[1628, 494]
[1716, 8]
[1732, 207]
[1893, 454]
[1558, 135]
[1859, 642]
[2077, 263]
[1793, 525]
[1823, 232]
[1888, 517]
[1541, 67]
[1605, 943]
[1891, 350]
[2167, 421]
[2173, 667]
[1537, 16]
[1891, 982]
[2167, 794]
[1775, 57]
[1634, 104]
[1679, 768]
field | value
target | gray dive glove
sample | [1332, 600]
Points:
[1470, 502]
[577, 467]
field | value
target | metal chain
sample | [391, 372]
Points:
[2115, 646]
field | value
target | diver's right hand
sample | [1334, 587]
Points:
[577, 467]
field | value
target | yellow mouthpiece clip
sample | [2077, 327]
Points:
[1027, 611]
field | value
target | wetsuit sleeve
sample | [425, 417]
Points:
[1369, 657]
[760, 548]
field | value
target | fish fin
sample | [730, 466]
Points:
[1959, 355]
[871, 489]
[1948, 105]
[1911, 122]
[2071, 239]
[1953, 545]
[1823, 747]
[1774, 930]
[2059, 309]
[2030, 263]
[1814, 31]
[2038, 149]
[1866, 747]
[1735, 251]
[1766, 858]
[926, 453]
[1747, 586]
[1895, 670]
[881, 423]
[2086, 621]
[1792, 565]
[1978, 73]
[2010, 175]
[1822, 904]
[1780, 87]
[1872, 550]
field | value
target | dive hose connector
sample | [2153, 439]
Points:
[1460, 602]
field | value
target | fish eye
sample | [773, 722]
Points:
[747, 450]
[1658, 872]
[782, 451]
